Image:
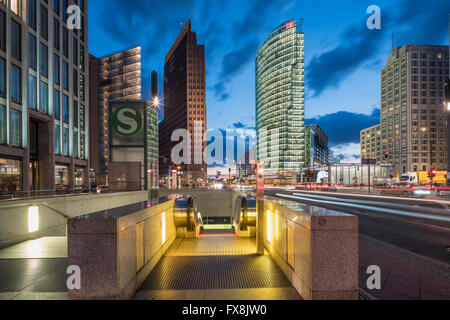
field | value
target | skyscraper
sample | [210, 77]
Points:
[412, 132]
[114, 77]
[184, 106]
[280, 99]
[43, 98]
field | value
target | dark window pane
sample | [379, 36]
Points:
[2, 31]
[16, 40]
[2, 77]
[44, 22]
[16, 84]
[56, 106]
[32, 51]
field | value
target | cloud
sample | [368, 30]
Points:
[344, 127]
[414, 22]
[348, 153]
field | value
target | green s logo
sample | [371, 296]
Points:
[127, 121]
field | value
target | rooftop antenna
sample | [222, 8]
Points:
[393, 41]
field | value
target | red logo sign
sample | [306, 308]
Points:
[290, 25]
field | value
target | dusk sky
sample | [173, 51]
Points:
[343, 57]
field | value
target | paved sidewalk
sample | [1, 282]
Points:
[402, 279]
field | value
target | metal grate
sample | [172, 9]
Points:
[212, 245]
[220, 272]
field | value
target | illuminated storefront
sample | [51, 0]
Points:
[10, 175]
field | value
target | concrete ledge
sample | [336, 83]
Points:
[53, 214]
[317, 249]
[117, 252]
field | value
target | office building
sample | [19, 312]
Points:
[280, 100]
[317, 152]
[114, 77]
[44, 136]
[184, 107]
[412, 133]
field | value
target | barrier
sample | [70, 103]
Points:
[52, 213]
[117, 249]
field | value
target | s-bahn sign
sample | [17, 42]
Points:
[127, 119]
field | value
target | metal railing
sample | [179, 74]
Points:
[36, 194]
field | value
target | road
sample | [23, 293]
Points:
[419, 226]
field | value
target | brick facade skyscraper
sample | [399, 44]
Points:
[184, 105]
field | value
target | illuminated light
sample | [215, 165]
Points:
[163, 228]
[276, 225]
[269, 226]
[448, 106]
[33, 219]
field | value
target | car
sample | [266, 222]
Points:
[398, 190]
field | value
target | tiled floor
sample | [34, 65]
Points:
[34, 270]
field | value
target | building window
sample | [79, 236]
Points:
[56, 33]
[31, 13]
[32, 51]
[16, 7]
[2, 31]
[44, 98]
[61, 177]
[82, 118]
[56, 75]
[75, 82]
[75, 51]
[2, 77]
[76, 154]
[82, 87]
[75, 114]
[65, 108]
[57, 139]
[64, 9]
[65, 75]
[56, 105]
[16, 128]
[10, 175]
[16, 84]
[44, 60]
[32, 92]
[66, 141]
[82, 57]
[82, 147]
[44, 22]
[56, 6]
[65, 45]
[2, 124]
[16, 40]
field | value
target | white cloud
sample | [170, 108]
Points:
[348, 153]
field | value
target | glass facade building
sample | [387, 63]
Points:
[280, 100]
[43, 96]
[114, 77]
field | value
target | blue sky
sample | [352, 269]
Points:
[343, 57]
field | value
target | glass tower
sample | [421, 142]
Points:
[280, 99]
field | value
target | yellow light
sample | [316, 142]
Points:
[163, 227]
[276, 225]
[269, 226]
[448, 106]
[33, 219]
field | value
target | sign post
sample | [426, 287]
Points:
[260, 215]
